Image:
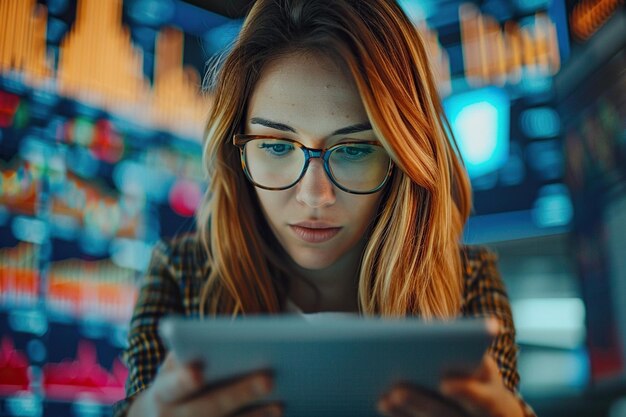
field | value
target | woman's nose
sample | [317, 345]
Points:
[315, 189]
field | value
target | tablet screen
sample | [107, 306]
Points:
[331, 366]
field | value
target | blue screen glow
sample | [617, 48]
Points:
[480, 124]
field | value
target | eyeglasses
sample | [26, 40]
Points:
[272, 163]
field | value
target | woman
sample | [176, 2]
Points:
[333, 187]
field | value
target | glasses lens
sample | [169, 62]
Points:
[273, 163]
[359, 167]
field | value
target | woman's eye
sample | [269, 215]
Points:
[354, 152]
[277, 149]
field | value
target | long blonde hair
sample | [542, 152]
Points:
[412, 260]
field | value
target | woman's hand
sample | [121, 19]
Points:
[482, 394]
[177, 392]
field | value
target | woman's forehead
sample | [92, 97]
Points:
[306, 91]
[305, 74]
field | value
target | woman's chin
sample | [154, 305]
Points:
[314, 261]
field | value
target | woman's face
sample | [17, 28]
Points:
[308, 98]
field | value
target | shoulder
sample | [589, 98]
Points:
[483, 287]
[477, 260]
[180, 264]
[182, 252]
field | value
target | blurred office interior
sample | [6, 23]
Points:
[101, 115]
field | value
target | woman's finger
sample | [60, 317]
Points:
[483, 399]
[176, 383]
[405, 400]
[471, 393]
[227, 399]
[491, 367]
[170, 363]
[389, 409]
[268, 410]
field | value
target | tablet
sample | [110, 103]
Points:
[332, 366]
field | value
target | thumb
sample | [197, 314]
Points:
[175, 382]
[169, 363]
[488, 369]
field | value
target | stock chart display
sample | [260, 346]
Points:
[102, 110]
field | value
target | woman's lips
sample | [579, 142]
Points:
[315, 234]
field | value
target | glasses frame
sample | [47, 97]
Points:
[240, 141]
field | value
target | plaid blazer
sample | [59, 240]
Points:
[175, 277]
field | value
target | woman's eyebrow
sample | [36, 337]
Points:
[273, 125]
[359, 127]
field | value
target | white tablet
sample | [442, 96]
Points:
[331, 366]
